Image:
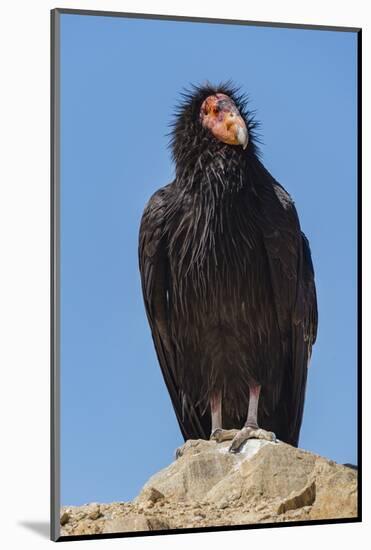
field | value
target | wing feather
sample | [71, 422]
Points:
[293, 285]
[156, 288]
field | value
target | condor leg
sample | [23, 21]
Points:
[217, 432]
[251, 429]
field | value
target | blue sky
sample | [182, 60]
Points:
[120, 80]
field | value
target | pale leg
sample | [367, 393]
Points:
[251, 429]
[217, 432]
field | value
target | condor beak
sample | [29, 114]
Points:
[242, 136]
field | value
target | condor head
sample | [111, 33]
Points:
[222, 118]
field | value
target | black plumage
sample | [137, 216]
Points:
[227, 280]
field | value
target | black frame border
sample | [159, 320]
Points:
[55, 271]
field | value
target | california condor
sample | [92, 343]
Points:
[227, 279]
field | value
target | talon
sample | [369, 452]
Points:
[215, 435]
[263, 434]
[249, 433]
[240, 438]
[220, 435]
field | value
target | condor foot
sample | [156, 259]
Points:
[249, 433]
[220, 435]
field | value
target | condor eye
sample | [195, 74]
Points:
[216, 109]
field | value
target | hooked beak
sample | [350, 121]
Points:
[242, 136]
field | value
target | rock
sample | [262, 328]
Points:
[336, 491]
[64, 518]
[86, 527]
[149, 494]
[304, 497]
[208, 486]
[135, 523]
[353, 466]
[197, 469]
[95, 512]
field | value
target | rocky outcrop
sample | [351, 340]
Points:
[208, 486]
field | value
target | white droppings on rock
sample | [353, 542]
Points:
[248, 450]
[252, 446]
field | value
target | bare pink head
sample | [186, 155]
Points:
[220, 115]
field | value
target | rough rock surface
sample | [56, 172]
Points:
[208, 486]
